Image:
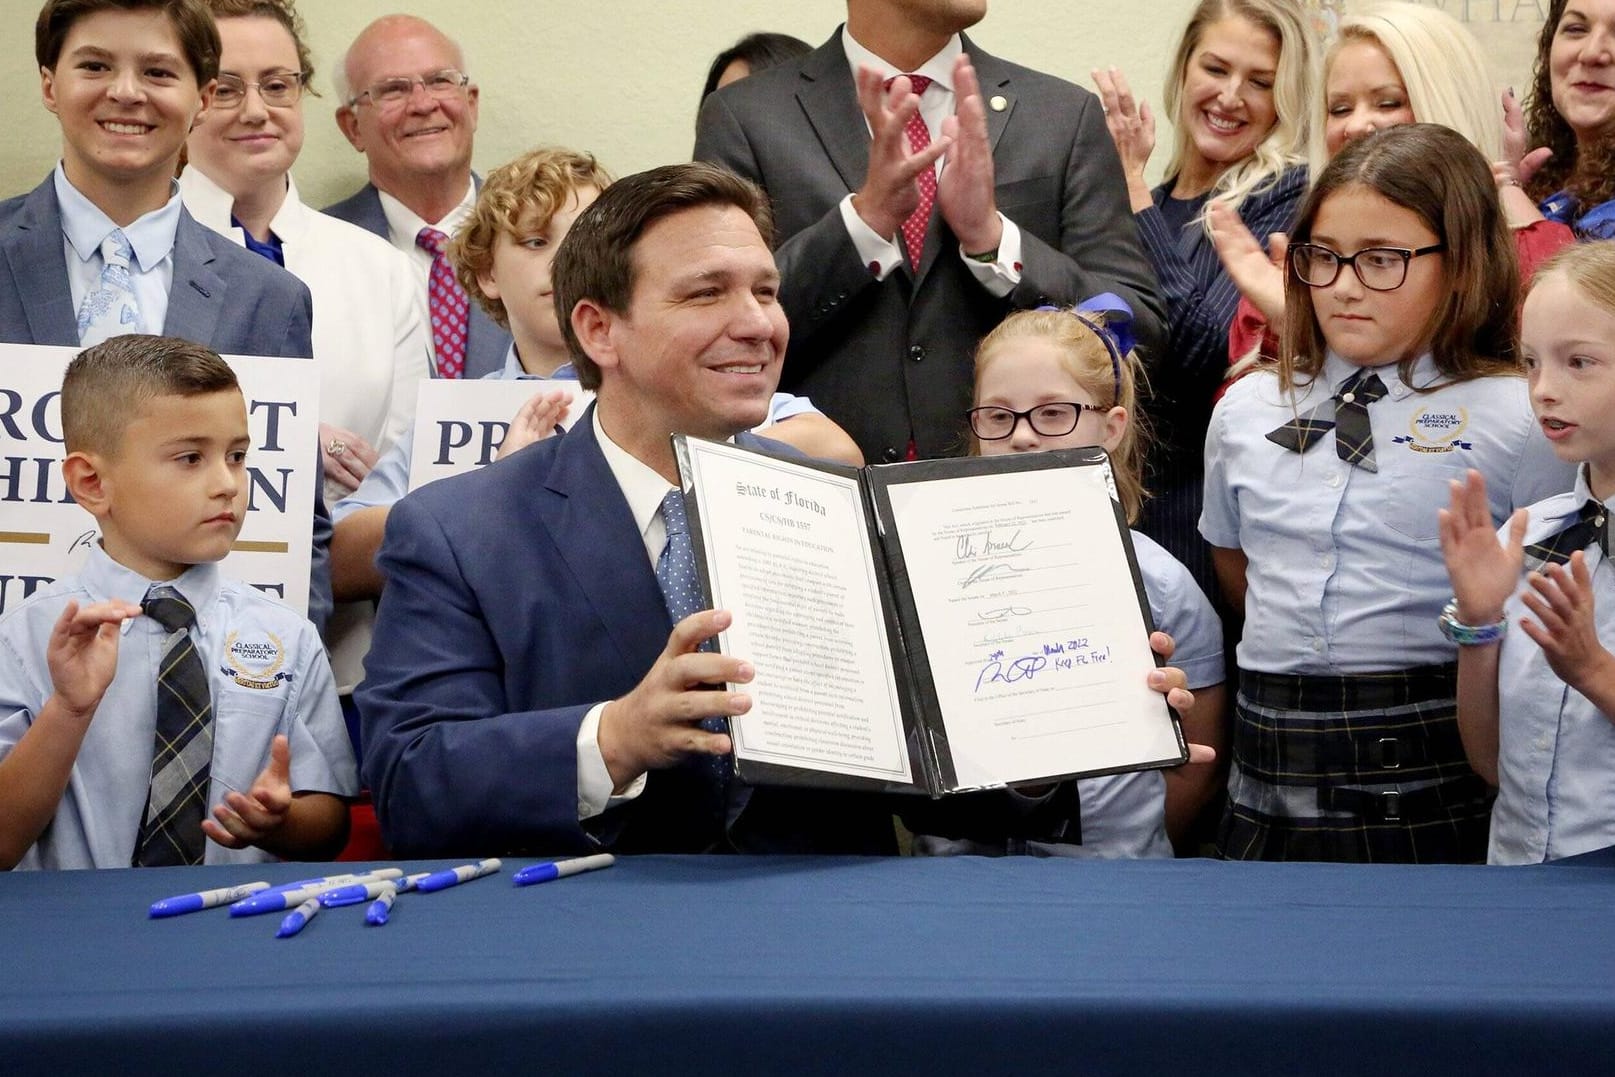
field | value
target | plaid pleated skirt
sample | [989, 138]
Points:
[1367, 769]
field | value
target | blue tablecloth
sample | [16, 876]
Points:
[775, 965]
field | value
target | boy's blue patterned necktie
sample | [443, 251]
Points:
[109, 309]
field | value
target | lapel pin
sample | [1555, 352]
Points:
[998, 103]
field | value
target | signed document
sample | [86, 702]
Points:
[941, 626]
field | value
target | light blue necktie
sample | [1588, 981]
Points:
[109, 309]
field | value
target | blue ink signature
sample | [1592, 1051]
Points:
[1023, 668]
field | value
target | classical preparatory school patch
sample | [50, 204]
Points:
[1436, 430]
[255, 662]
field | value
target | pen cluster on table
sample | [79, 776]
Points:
[381, 887]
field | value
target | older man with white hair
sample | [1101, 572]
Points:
[408, 104]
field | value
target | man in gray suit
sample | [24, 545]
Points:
[1028, 207]
[408, 105]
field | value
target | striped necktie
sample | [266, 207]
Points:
[182, 751]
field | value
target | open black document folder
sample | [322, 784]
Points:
[936, 626]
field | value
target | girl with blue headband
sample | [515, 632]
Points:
[1064, 379]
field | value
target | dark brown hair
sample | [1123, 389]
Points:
[1439, 175]
[596, 259]
[1588, 173]
[193, 25]
[105, 385]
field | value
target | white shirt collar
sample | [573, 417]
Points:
[403, 222]
[641, 487]
[939, 68]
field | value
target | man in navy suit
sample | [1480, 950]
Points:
[527, 690]
[418, 146]
[126, 81]
[1029, 208]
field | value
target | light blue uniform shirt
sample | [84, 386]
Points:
[151, 271]
[267, 672]
[1345, 572]
[1124, 815]
[1556, 751]
[389, 479]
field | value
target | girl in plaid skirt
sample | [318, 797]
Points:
[1323, 480]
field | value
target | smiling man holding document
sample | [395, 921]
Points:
[528, 689]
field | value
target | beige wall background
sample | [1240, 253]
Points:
[621, 77]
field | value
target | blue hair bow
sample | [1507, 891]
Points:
[1116, 333]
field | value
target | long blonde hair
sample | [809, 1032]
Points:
[1293, 86]
[1441, 67]
[1111, 378]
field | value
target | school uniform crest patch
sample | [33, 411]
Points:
[1435, 429]
[255, 660]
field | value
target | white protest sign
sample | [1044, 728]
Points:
[44, 535]
[459, 425]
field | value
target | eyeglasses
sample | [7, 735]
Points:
[1381, 269]
[390, 93]
[280, 90]
[1055, 419]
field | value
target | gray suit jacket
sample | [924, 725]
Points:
[486, 343]
[223, 296]
[891, 360]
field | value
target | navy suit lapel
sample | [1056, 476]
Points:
[196, 297]
[596, 535]
[34, 256]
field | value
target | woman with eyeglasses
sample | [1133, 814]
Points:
[370, 333]
[1398, 377]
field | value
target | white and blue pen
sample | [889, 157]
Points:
[442, 880]
[207, 899]
[560, 869]
[354, 893]
[276, 900]
[298, 917]
[381, 908]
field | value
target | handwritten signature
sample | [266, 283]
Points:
[1003, 614]
[1023, 668]
[970, 546]
[990, 573]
